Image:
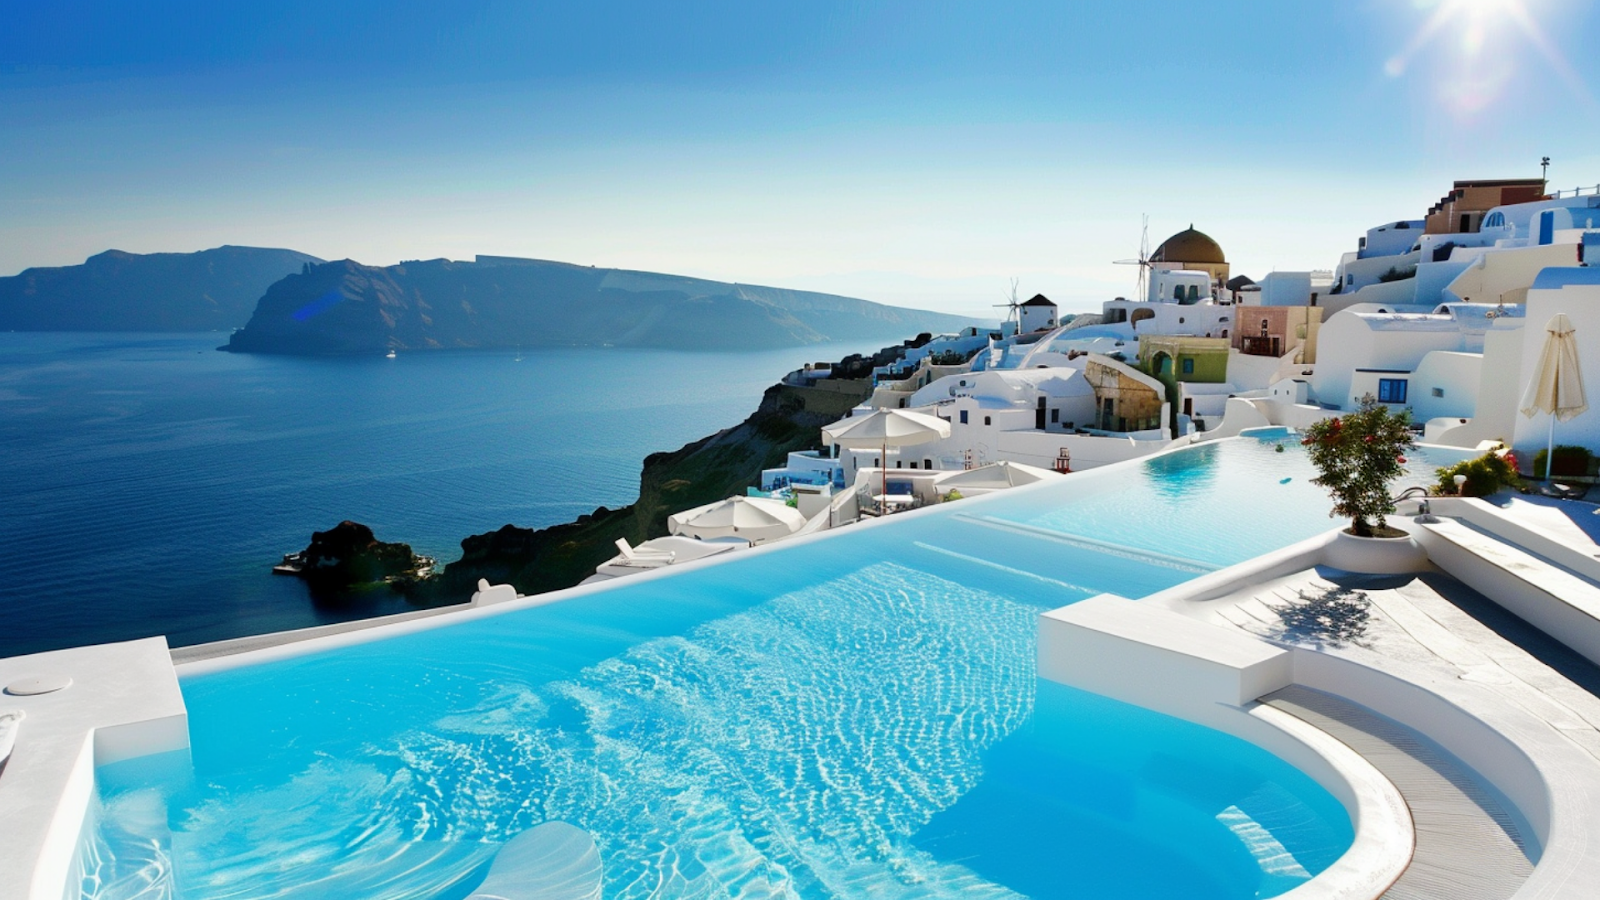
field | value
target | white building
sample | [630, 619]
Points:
[1094, 412]
[1037, 314]
[1428, 362]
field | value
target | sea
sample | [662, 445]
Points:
[148, 482]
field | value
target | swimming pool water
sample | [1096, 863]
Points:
[854, 716]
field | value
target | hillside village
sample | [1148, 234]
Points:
[1441, 316]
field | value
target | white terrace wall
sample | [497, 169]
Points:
[1455, 377]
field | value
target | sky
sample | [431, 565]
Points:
[918, 153]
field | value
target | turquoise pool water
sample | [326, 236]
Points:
[851, 717]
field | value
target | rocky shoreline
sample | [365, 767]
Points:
[789, 418]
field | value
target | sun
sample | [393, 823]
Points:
[1477, 44]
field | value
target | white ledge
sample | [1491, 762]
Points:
[123, 702]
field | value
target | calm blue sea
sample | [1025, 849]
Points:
[148, 482]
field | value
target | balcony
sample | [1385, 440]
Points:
[1266, 345]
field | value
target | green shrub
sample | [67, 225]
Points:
[953, 495]
[1570, 460]
[1486, 475]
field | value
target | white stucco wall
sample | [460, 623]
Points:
[1455, 376]
[1285, 289]
[1349, 342]
[1508, 272]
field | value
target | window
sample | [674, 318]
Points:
[963, 417]
[986, 420]
[913, 464]
[1055, 415]
[927, 464]
[1188, 367]
[1391, 390]
[1438, 392]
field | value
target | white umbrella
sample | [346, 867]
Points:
[1002, 474]
[751, 518]
[886, 428]
[1557, 385]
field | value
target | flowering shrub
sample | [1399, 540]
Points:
[1357, 457]
[1485, 475]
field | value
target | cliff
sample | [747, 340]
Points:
[212, 290]
[789, 418]
[348, 308]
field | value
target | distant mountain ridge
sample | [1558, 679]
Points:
[345, 307]
[209, 290]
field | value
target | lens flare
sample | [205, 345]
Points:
[1476, 44]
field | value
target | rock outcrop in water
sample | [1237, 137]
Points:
[213, 290]
[348, 308]
[349, 556]
[535, 561]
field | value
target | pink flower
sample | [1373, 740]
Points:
[1400, 459]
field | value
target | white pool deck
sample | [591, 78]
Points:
[1470, 767]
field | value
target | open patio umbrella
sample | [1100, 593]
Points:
[886, 428]
[1557, 385]
[996, 476]
[751, 518]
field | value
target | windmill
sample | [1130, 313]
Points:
[1143, 262]
[1013, 307]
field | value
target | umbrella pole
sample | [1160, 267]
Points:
[884, 460]
[1550, 449]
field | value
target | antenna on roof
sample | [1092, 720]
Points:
[1013, 306]
[1544, 169]
[1143, 262]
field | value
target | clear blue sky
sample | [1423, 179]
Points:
[918, 152]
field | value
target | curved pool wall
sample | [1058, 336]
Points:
[852, 714]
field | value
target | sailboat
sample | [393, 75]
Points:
[389, 355]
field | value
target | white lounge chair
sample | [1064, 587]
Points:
[553, 861]
[643, 558]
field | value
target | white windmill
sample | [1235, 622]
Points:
[1013, 308]
[1143, 262]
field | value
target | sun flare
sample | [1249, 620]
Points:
[1476, 46]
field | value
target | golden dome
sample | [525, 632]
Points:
[1189, 247]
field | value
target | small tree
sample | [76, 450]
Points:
[1358, 456]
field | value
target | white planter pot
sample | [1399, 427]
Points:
[1376, 555]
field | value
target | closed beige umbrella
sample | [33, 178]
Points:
[1557, 385]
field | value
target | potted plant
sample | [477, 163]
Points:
[1358, 456]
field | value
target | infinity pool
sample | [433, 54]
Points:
[849, 717]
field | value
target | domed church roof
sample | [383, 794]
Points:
[1189, 246]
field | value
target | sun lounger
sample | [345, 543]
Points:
[1564, 491]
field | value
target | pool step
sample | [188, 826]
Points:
[1137, 554]
[1468, 847]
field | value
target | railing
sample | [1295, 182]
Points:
[1576, 192]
